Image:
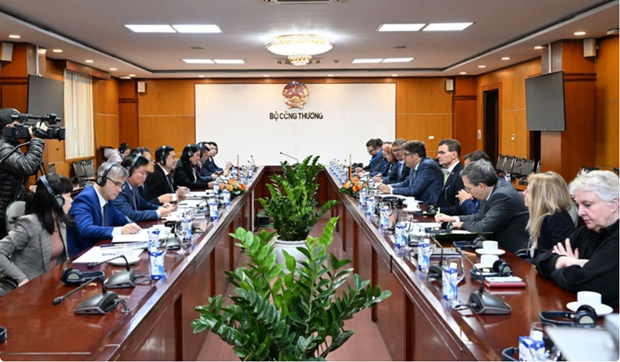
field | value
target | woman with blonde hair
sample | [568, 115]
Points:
[552, 212]
[389, 172]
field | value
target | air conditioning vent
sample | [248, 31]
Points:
[285, 61]
[298, 2]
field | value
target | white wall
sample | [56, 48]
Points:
[236, 116]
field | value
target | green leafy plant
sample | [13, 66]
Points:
[293, 204]
[295, 316]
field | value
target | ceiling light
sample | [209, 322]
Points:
[132, 75]
[447, 26]
[299, 48]
[482, 66]
[400, 27]
[57, 50]
[367, 60]
[330, 75]
[201, 76]
[463, 73]
[266, 75]
[505, 58]
[112, 69]
[197, 28]
[394, 75]
[578, 33]
[14, 36]
[150, 28]
[89, 61]
[397, 60]
[198, 61]
[42, 50]
[125, 77]
[538, 47]
[229, 61]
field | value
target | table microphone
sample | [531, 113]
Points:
[123, 279]
[59, 300]
[253, 163]
[481, 302]
[436, 271]
[289, 156]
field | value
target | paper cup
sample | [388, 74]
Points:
[488, 260]
[592, 299]
[489, 245]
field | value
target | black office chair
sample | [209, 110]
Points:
[508, 164]
[526, 170]
[88, 168]
[616, 171]
[78, 170]
[588, 168]
[500, 164]
[517, 166]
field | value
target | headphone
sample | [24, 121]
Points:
[164, 154]
[101, 180]
[189, 150]
[59, 201]
[202, 147]
[447, 226]
[584, 317]
[502, 268]
[133, 163]
[470, 244]
[72, 276]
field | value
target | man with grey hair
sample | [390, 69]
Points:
[96, 218]
[401, 171]
[502, 209]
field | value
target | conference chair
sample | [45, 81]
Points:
[501, 161]
[616, 171]
[88, 168]
[588, 168]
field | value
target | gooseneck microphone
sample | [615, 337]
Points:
[59, 300]
[289, 156]
[123, 279]
[436, 271]
[253, 162]
[92, 265]
[481, 302]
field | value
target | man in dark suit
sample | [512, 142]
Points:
[502, 210]
[448, 152]
[209, 164]
[160, 181]
[96, 218]
[400, 172]
[377, 161]
[129, 201]
[425, 180]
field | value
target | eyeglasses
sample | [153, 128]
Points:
[408, 154]
[120, 185]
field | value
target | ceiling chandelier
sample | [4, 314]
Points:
[299, 48]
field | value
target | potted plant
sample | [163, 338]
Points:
[295, 316]
[293, 205]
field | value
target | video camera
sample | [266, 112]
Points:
[43, 129]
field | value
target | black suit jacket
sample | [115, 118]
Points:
[405, 174]
[448, 202]
[157, 184]
[505, 215]
[186, 175]
[144, 192]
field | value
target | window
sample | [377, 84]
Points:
[78, 120]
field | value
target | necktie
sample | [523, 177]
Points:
[400, 169]
[135, 200]
[446, 174]
[170, 183]
[105, 215]
[412, 177]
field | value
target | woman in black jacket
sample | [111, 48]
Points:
[185, 173]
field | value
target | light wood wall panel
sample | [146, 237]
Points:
[422, 96]
[107, 127]
[175, 131]
[422, 126]
[464, 120]
[606, 127]
[513, 107]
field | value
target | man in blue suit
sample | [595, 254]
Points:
[96, 218]
[400, 171]
[209, 164]
[130, 202]
[377, 161]
[426, 179]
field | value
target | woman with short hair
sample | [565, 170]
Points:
[588, 259]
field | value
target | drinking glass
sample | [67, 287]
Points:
[551, 351]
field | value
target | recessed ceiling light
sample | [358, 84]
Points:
[197, 28]
[89, 61]
[330, 75]
[394, 75]
[201, 76]
[14, 36]
[505, 58]
[125, 77]
[132, 75]
[42, 50]
[538, 47]
[580, 33]
[397, 60]
[150, 28]
[447, 26]
[482, 66]
[229, 61]
[198, 61]
[112, 69]
[266, 75]
[367, 60]
[463, 73]
[57, 50]
[400, 27]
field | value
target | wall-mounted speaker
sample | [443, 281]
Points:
[589, 47]
[449, 85]
[6, 51]
[141, 87]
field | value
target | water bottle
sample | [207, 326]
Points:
[400, 238]
[233, 173]
[187, 228]
[156, 255]
[213, 212]
[507, 177]
[385, 217]
[216, 187]
[370, 205]
[362, 193]
[424, 254]
[226, 197]
[538, 346]
[371, 183]
[449, 282]
[244, 180]
[251, 174]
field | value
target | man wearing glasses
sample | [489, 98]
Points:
[96, 218]
[426, 179]
[401, 171]
[377, 161]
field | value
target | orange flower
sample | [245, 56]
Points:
[231, 181]
[347, 185]
[222, 186]
[355, 180]
[230, 188]
[356, 188]
[242, 187]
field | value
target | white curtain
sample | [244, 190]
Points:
[78, 115]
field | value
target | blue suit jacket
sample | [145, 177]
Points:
[392, 174]
[211, 167]
[423, 184]
[89, 229]
[136, 209]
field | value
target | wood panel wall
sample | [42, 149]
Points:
[464, 121]
[513, 120]
[606, 124]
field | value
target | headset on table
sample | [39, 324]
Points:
[585, 316]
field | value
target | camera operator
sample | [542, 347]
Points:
[16, 168]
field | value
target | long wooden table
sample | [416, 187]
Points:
[158, 326]
[415, 322]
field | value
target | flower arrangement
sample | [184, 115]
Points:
[235, 187]
[353, 186]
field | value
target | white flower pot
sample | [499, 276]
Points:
[291, 249]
